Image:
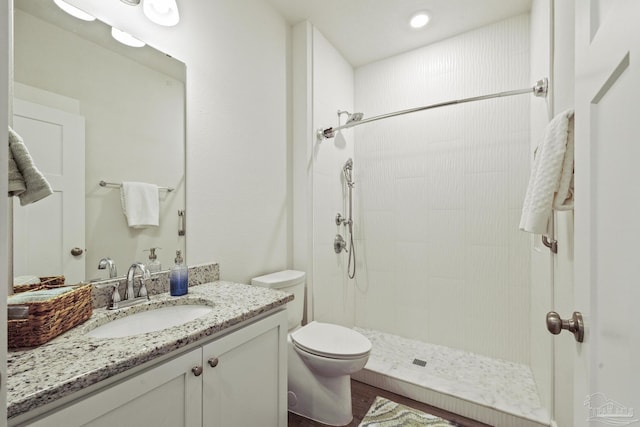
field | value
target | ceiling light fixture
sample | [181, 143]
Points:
[126, 38]
[419, 19]
[162, 12]
[74, 11]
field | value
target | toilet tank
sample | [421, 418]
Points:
[291, 281]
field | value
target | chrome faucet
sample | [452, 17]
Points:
[146, 275]
[108, 263]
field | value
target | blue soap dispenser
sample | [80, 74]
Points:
[179, 277]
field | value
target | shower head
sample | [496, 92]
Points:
[355, 117]
[351, 118]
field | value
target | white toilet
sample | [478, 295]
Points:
[321, 357]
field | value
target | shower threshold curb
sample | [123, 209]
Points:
[448, 402]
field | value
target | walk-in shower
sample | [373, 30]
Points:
[434, 211]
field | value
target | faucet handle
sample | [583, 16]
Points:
[115, 295]
[143, 290]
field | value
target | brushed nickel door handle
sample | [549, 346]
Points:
[76, 251]
[575, 325]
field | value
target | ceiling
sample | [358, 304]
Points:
[369, 30]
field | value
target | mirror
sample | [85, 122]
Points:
[131, 102]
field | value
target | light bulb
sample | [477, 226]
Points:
[74, 11]
[126, 38]
[161, 12]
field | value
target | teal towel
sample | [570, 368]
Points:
[37, 296]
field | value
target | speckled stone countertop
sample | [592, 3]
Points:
[74, 360]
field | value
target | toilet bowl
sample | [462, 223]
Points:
[321, 358]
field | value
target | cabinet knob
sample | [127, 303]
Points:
[197, 370]
[213, 362]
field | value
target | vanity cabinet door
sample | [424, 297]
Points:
[245, 376]
[166, 395]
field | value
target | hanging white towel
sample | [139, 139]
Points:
[551, 180]
[25, 180]
[140, 204]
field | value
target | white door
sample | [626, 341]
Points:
[45, 232]
[607, 212]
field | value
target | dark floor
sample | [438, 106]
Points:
[363, 395]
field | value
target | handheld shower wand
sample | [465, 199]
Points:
[347, 171]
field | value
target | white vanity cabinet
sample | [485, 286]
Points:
[236, 380]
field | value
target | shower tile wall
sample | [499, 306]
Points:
[439, 194]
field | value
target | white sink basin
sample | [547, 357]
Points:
[150, 321]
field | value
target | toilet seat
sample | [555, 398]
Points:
[331, 341]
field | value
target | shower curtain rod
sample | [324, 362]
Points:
[540, 90]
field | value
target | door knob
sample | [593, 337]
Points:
[213, 362]
[76, 251]
[197, 370]
[575, 325]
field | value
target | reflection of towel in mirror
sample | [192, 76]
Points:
[551, 180]
[140, 204]
[25, 180]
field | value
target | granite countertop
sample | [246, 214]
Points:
[74, 360]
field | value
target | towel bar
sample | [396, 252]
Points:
[116, 185]
[552, 245]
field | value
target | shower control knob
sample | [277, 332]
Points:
[575, 325]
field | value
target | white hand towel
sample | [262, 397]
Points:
[140, 204]
[551, 180]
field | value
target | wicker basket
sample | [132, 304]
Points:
[48, 319]
[48, 282]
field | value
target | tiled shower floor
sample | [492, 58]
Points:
[493, 391]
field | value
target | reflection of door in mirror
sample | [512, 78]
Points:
[45, 232]
[133, 102]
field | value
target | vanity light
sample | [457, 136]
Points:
[419, 19]
[74, 11]
[162, 12]
[126, 38]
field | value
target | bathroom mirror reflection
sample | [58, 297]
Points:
[70, 74]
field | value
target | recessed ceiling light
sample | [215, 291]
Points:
[419, 19]
[126, 38]
[74, 11]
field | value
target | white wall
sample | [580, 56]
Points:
[563, 98]
[439, 194]
[6, 60]
[552, 54]
[238, 206]
[134, 119]
[541, 258]
[333, 90]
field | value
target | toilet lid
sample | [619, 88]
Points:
[334, 341]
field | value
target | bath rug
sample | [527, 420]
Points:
[385, 413]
